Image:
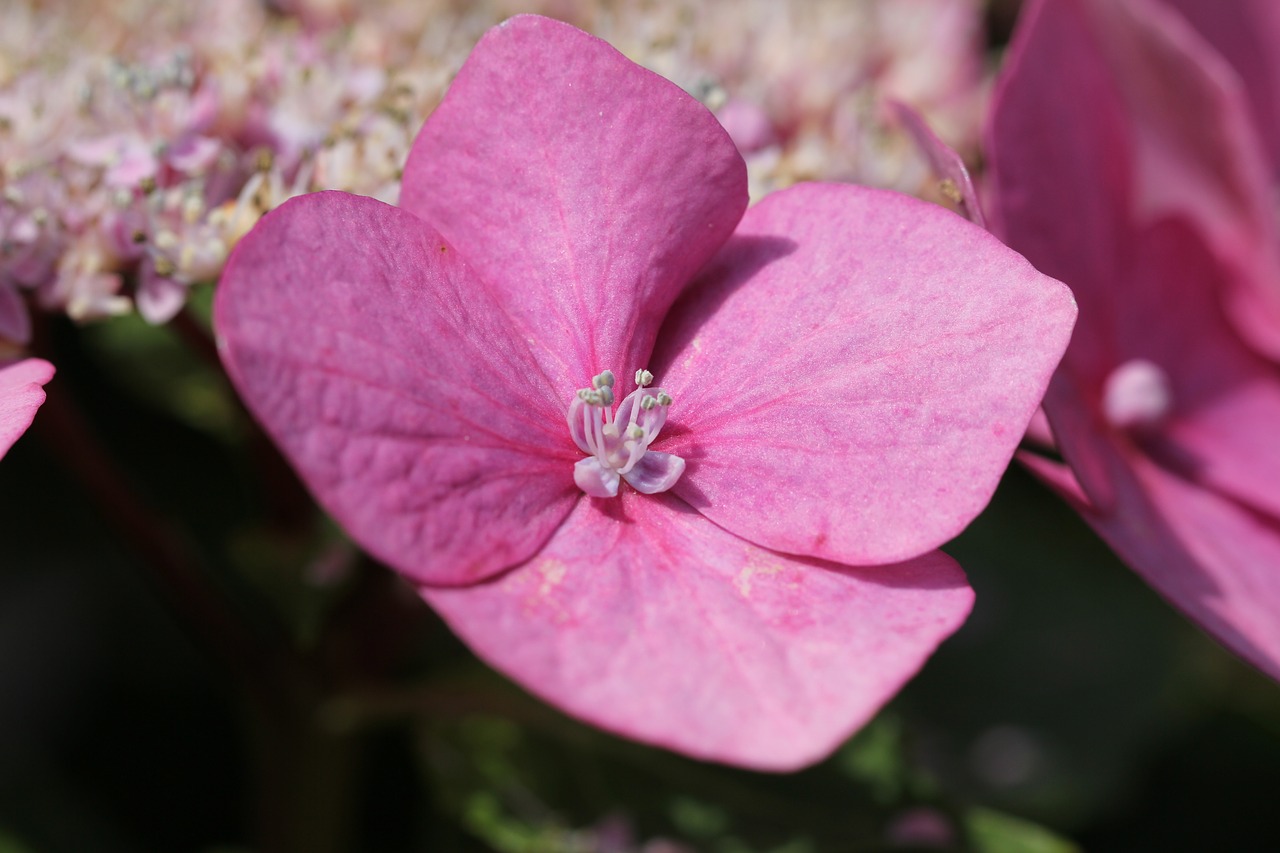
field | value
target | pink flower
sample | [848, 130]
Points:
[20, 395]
[1128, 163]
[840, 388]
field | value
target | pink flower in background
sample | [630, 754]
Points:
[21, 393]
[1127, 161]
[677, 469]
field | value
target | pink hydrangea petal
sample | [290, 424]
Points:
[15, 322]
[943, 159]
[1245, 33]
[642, 617]
[1210, 557]
[193, 154]
[1225, 399]
[393, 381]
[159, 298]
[854, 371]
[1188, 502]
[588, 189]
[21, 393]
[1129, 96]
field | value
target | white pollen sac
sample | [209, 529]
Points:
[1138, 393]
[617, 441]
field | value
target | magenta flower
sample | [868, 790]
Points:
[21, 393]
[1128, 163]
[693, 549]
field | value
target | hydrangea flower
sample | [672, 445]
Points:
[678, 470]
[21, 393]
[1128, 160]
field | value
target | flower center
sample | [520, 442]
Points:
[617, 442]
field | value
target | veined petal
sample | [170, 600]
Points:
[382, 366]
[586, 188]
[644, 618]
[21, 393]
[854, 371]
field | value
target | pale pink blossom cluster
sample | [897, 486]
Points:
[140, 140]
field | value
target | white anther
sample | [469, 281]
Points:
[603, 380]
[643, 378]
[649, 403]
[664, 399]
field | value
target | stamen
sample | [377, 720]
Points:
[617, 441]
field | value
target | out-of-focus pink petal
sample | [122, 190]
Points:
[193, 155]
[15, 322]
[1039, 432]
[1224, 419]
[944, 161]
[393, 380]
[1245, 33]
[747, 124]
[853, 372]
[642, 617]
[1211, 557]
[1149, 123]
[1189, 500]
[588, 189]
[21, 393]
[159, 298]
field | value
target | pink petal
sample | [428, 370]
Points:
[1211, 558]
[1190, 502]
[193, 155]
[15, 322]
[1151, 123]
[1245, 33]
[943, 160]
[394, 382]
[20, 395]
[159, 298]
[1222, 431]
[642, 617]
[853, 373]
[588, 189]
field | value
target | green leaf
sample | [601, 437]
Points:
[993, 832]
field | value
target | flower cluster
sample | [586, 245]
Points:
[136, 150]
